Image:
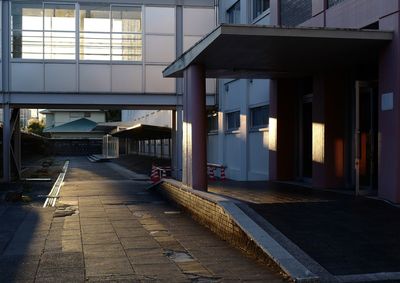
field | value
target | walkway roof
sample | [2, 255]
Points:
[249, 51]
[144, 132]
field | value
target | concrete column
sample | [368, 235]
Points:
[329, 131]
[6, 143]
[176, 143]
[283, 122]
[195, 129]
[389, 116]
[15, 142]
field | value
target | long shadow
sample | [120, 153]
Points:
[346, 236]
[17, 228]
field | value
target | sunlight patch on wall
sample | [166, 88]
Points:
[318, 142]
[272, 134]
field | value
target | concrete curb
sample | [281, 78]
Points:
[296, 271]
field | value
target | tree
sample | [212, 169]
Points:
[36, 127]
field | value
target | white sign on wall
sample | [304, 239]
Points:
[387, 101]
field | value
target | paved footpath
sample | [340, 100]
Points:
[107, 227]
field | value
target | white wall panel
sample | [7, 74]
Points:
[259, 91]
[211, 86]
[127, 78]
[94, 78]
[160, 20]
[60, 77]
[233, 160]
[156, 83]
[198, 21]
[258, 156]
[27, 76]
[235, 94]
[212, 148]
[160, 48]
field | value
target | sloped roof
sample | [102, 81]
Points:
[143, 132]
[82, 125]
[253, 51]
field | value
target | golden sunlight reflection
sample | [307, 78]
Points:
[272, 133]
[318, 142]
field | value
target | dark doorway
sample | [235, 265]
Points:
[366, 145]
[306, 139]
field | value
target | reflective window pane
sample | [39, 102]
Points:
[95, 18]
[127, 47]
[26, 15]
[126, 19]
[59, 45]
[259, 116]
[95, 46]
[59, 17]
[27, 44]
[233, 120]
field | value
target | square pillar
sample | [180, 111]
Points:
[389, 113]
[329, 113]
[6, 143]
[195, 129]
[282, 129]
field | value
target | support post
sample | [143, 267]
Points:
[6, 143]
[195, 132]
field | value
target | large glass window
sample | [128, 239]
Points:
[27, 30]
[59, 31]
[233, 13]
[212, 122]
[259, 6]
[233, 121]
[48, 31]
[95, 27]
[126, 33]
[259, 116]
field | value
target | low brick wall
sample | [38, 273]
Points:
[206, 209]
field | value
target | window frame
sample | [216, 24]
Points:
[263, 13]
[237, 127]
[251, 113]
[229, 13]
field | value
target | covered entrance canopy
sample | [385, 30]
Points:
[248, 51]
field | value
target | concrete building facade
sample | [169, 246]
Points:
[333, 89]
[95, 54]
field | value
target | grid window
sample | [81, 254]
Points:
[27, 30]
[233, 121]
[48, 31]
[212, 122]
[233, 13]
[59, 31]
[259, 116]
[259, 6]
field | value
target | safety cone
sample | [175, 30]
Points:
[211, 173]
[155, 177]
[223, 178]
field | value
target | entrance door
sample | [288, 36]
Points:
[306, 139]
[366, 126]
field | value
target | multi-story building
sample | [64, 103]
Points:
[332, 94]
[95, 54]
[238, 126]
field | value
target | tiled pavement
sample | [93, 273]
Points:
[344, 234]
[117, 232]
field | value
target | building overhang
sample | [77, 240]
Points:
[250, 51]
[144, 132]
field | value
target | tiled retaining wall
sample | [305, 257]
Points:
[205, 209]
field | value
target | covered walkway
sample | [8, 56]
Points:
[338, 234]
